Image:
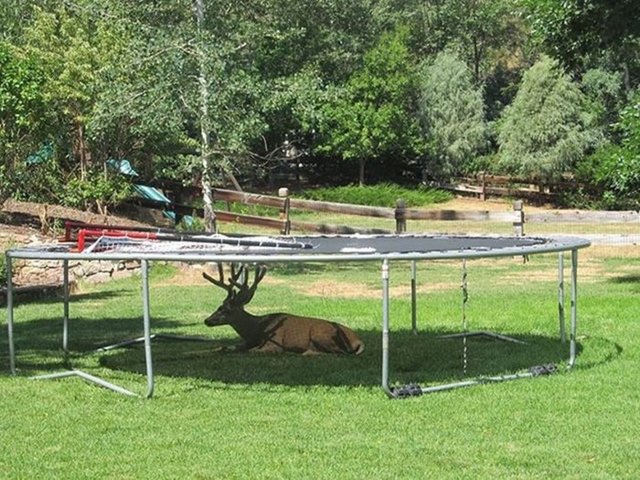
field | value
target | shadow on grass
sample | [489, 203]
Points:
[422, 358]
[626, 279]
[50, 297]
[85, 334]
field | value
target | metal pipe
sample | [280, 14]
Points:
[414, 321]
[12, 352]
[385, 328]
[550, 247]
[561, 319]
[65, 315]
[88, 377]
[574, 307]
[146, 320]
[465, 323]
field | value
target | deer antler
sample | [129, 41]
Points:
[239, 280]
[246, 292]
[218, 283]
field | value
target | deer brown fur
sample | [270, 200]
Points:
[276, 332]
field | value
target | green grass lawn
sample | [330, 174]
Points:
[232, 415]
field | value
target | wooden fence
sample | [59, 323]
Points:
[483, 185]
[399, 213]
[517, 218]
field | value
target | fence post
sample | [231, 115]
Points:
[518, 226]
[483, 185]
[283, 192]
[401, 221]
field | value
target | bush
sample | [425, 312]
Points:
[548, 128]
[452, 115]
[3, 271]
[380, 195]
[613, 172]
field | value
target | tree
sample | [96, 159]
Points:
[481, 32]
[590, 33]
[614, 170]
[22, 106]
[604, 92]
[547, 129]
[71, 48]
[452, 114]
[372, 115]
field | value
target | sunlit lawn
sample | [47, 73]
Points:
[232, 415]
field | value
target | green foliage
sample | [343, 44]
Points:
[605, 95]
[338, 79]
[42, 181]
[481, 32]
[99, 190]
[3, 269]
[614, 170]
[380, 195]
[194, 225]
[452, 112]
[548, 128]
[372, 115]
[590, 33]
[47, 182]
[21, 105]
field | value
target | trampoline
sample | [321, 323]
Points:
[149, 246]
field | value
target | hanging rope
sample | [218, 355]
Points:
[465, 326]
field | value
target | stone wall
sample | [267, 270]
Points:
[41, 272]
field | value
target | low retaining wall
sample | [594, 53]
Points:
[36, 272]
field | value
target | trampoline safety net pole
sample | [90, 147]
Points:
[414, 320]
[12, 353]
[385, 327]
[65, 314]
[147, 327]
[574, 307]
[561, 320]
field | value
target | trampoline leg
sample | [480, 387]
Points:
[147, 327]
[574, 308]
[414, 321]
[385, 328]
[561, 321]
[12, 352]
[65, 315]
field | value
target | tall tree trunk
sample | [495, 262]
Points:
[626, 76]
[80, 150]
[361, 163]
[205, 147]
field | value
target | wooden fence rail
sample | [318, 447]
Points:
[400, 213]
[483, 185]
[517, 218]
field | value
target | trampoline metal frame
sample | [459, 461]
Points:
[552, 246]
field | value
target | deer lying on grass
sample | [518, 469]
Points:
[276, 332]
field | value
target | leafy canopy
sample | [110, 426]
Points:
[452, 113]
[547, 129]
[372, 115]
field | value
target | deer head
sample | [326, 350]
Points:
[239, 292]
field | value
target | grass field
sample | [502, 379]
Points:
[233, 415]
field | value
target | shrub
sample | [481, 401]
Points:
[613, 172]
[381, 195]
[547, 129]
[452, 114]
